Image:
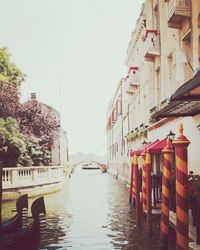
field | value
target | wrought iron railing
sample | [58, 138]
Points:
[173, 193]
[156, 182]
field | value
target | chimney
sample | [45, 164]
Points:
[33, 96]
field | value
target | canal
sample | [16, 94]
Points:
[92, 212]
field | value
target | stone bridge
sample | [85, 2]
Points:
[101, 166]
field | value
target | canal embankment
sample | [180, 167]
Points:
[92, 211]
[33, 181]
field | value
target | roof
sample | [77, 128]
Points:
[189, 88]
[184, 102]
[139, 151]
[188, 107]
[157, 147]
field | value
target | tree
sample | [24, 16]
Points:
[9, 72]
[9, 100]
[34, 121]
[26, 140]
[12, 142]
[35, 154]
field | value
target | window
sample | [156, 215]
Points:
[170, 66]
[157, 87]
[156, 21]
[187, 50]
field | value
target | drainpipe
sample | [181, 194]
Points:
[128, 118]
[122, 142]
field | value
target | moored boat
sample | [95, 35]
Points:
[28, 238]
[15, 223]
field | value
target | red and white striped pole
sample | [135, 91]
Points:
[148, 193]
[181, 144]
[131, 182]
[144, 187]
[137, 190]
[164, 223]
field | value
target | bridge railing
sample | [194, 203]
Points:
[31, 176]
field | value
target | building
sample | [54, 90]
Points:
[161, 88]
[59, 149]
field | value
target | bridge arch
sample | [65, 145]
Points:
[101, 166]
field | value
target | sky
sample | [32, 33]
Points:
[73, 53]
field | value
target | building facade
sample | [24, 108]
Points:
[59, 148]
[161, 88]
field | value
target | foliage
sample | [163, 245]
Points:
[12, 142]
[18, 149]
[137, 134]
[9, 71]
[35, 121]
[9, 100]
[26, 140]
[35, 154]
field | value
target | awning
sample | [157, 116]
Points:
[184, 102]
[189, 107]
[157, 148]
[139, 151]
[188, 89]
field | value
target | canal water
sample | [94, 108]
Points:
[92, 212]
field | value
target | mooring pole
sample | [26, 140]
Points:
[148, 191]
[131, 183]
[137, 190]
[181, 144]
[164, 221]
[144, 188]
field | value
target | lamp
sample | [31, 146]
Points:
[144, 143]
[171, 135]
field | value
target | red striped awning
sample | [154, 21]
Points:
[158, 147]
[139, 151]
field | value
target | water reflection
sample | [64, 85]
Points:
[92, 212]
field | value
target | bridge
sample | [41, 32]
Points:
[102, 166]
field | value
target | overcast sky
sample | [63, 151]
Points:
[73, 53]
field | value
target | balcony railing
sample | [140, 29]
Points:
[177, 11]
[31, 176]
[133, 79]
[133, 83]
[151, 44]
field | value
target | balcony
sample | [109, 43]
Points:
[132, 82]
[132, 89]
[151, 44]
[177, 11]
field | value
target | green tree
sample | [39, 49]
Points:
[12, 142]
[35, 154]
[9, 72]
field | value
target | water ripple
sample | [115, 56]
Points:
[92, 212]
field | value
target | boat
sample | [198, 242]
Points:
[90, 168]
[85, 164]
[28, 238]
[15, 223]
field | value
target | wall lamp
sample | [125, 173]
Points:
[171, 135]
